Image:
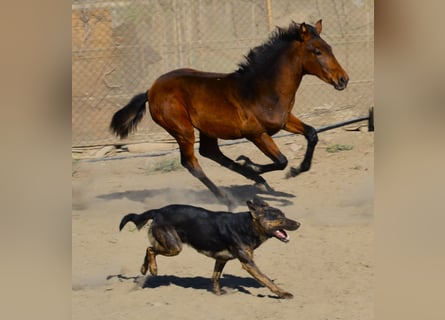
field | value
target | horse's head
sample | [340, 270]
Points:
[318, 58]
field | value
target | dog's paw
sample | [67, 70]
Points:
[143, 269]
[285, 295]
[219, 291]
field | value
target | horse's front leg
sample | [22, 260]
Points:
[295, 125]
[208, 147]
[265, 143]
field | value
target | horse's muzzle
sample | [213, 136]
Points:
[341, 83]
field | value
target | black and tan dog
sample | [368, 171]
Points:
[221, 235]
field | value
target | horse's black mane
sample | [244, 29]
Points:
[261, 57]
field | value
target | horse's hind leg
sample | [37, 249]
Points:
[174, 118]
[208, 147]
[295, 125]
[186, 140]
[189, 161]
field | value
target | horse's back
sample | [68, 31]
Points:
[189, 73]
[209, 100]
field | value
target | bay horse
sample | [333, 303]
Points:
[253, 102]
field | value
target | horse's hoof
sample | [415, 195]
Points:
[243, 160]
[293, 172]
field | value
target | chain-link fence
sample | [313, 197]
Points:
[119, 48]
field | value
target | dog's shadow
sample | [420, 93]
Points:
[239, 193]
[227, 282]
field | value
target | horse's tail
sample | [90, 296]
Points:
[126, 119]
[138, 219]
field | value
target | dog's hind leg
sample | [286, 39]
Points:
[165, 241]
[149, 261]
[219, 266]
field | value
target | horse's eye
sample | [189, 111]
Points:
[317, 52]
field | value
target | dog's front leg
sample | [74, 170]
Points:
[217, 271]
[250, 266]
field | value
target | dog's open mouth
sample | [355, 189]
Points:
[280, 234]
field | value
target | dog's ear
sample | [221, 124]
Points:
[256, 207]
[260, 202]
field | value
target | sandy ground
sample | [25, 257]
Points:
[328, 265]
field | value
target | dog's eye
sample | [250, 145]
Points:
[317, 52]
[275, 215]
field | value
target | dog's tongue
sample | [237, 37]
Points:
[282, 235]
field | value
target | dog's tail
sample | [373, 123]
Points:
[138, 219]
[126, 119]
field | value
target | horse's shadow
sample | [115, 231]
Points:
[227, 281]
[240, 195]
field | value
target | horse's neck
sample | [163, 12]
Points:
[283, 88]
[290, 72]
[288, 81]
[273, 85]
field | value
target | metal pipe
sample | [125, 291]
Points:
[340, 124]
[269, 14]
[370, 119]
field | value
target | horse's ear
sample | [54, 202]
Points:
[318, 27]
[304, 32]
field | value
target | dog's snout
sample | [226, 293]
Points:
[292, 225]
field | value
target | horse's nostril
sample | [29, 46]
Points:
[343, 80]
